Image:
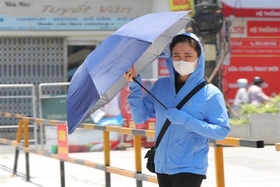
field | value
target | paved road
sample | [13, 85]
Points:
[244, 167]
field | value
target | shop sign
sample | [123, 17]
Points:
[181, 5]
[69, 14]
[255, 46]
[249, 67]
[238, 28]
[263, 28]
[251, 8]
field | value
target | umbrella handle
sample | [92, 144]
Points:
[149, 93]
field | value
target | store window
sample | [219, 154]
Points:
[76, 56]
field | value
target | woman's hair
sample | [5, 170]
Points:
[184, 38]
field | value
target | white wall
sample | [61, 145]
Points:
[160, 5]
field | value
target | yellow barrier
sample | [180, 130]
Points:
[277, 146]
[23, 126]
[90, 164]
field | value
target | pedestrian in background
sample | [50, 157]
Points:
[241, 96]
[255, 92]
[181, 159]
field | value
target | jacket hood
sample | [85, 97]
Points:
[198, 75]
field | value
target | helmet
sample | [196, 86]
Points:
[257, 80]
[242, 83]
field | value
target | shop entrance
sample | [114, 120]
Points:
[76, 54]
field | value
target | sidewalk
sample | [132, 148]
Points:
[244, 167]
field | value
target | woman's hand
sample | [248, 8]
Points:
[177, 117]
[132, 73]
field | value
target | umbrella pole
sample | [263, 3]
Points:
[149, 93]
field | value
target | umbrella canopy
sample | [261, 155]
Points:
[100, 77]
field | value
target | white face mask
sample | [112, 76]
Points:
[184, 67]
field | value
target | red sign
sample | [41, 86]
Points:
[237, 29]
[251, 8]
[62, 141]
[126, 113]
[254, 44]
[162, 68]
[249, 67]
[263, 28]
[255, 47]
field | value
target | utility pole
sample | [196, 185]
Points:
[207, 24]
[208, 21]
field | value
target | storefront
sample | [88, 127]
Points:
[44, 41]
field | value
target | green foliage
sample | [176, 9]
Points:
[238, 121]
[268, 107]
[265, 108]
[247, 109]
[276, 99]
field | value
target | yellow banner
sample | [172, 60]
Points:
[181, 5]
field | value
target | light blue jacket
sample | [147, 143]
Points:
[183, 148]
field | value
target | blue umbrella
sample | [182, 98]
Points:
[100, 76]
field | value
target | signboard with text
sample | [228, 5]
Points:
[251, 8]
[62, 141]
[264, 28]
[179, 5]
[254, 44]
[70, 15]
[54, 108]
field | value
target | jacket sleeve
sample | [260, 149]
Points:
[216, 126]
[142, 108]
[263, 97]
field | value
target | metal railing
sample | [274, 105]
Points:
[106, 167]
[20, 91]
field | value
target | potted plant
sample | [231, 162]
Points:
[259, 121]
[240, 127]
